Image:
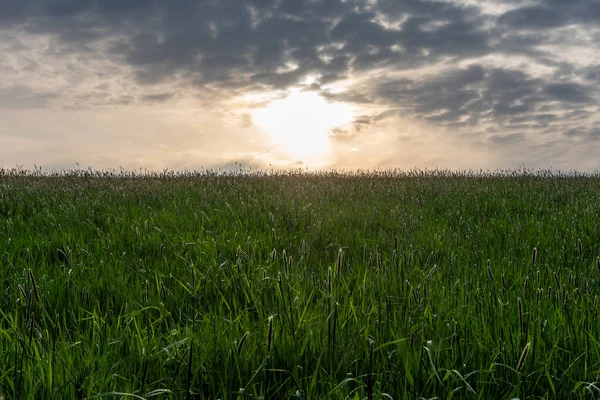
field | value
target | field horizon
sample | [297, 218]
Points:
[240, 170]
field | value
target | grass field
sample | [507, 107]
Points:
[372, 285]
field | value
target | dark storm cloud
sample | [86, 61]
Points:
[231, 45]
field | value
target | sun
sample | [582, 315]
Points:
[300, 123]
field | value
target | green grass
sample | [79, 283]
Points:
[245, 285]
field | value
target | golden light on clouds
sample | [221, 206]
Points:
[299, 125]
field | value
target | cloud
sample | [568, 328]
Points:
[496, 99]
[500, 73]
[533, 17]
[158, 98]
[21, 96]
[507, 139]
[551, 14]
[236, 44]
[568, 92]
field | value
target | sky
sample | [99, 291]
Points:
[313, 84]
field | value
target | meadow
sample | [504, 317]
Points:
[296, 285]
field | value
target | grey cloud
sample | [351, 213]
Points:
[364, 120]
[451, 96]
[210, 42]
[426, 9]
[579, 10]
[507, 139]
[546, 117]
[570, 92]
[359, 30]
[215, 48]
[457, 37]
[575, 115]
[583, 133]
[227, 46]
[158, 98]
[13, 11]
[592, 73]
[21, 96]
[431, 30]
[540, 31]
[573, 132]
[351, 96]
[533, 17]
[478, 96]
[551, 14]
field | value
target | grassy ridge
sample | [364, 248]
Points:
[409, 285]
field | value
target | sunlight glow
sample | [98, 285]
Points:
[300, 124]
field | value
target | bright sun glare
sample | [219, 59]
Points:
[300, 124]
